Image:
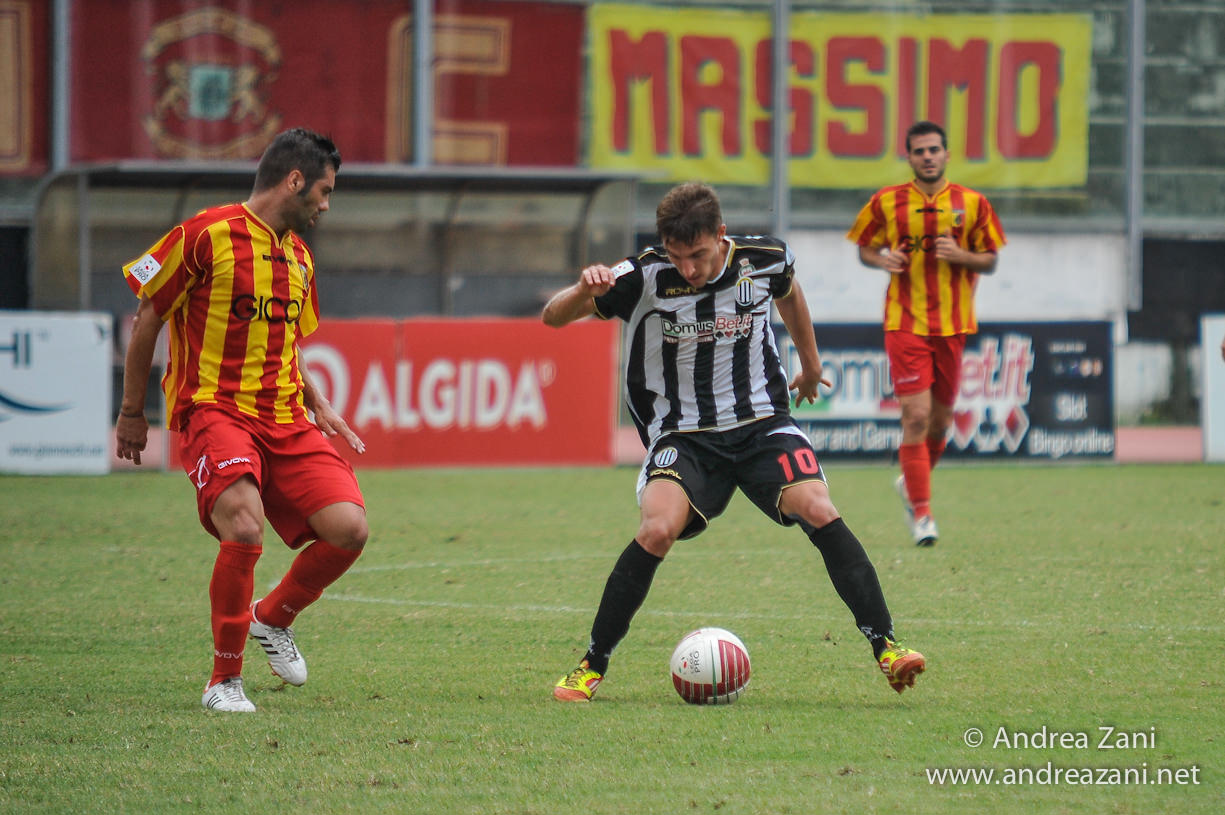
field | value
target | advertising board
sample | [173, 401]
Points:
[55, 392]
[1034, 390]
[469, 392]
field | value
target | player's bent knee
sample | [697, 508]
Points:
[239, 526]
[353, 534]
[358, 537]
[655, 538]
[917, 425]
[814, 511]
[819, 516]
[343, 525]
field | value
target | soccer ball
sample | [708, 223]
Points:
[710, 666]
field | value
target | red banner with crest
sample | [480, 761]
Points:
[168, 79]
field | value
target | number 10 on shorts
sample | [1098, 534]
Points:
[804, 460]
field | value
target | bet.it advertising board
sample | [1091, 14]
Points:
[1028, 390]
[435, 392]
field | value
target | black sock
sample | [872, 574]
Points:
[624, 592]
[855, 580]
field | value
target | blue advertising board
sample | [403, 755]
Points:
[1028, 390]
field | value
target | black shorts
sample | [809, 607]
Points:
[760, 458]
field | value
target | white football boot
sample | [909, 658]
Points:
[283, 654]
[227, 696]
[907, 507]
[925, 532]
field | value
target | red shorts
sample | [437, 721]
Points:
[918, 363]
[297, 470]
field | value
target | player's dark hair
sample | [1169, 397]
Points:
[924, 128]
[688, 212]
[298, 149]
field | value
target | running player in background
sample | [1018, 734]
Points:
[237, 286]
[934, 238]
[708, 393]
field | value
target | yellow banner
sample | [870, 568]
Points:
[686, 93]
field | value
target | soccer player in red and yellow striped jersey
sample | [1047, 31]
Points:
[233, 333]
[236, 285]
[934, 238]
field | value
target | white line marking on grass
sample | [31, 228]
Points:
[743, 615]
[392, 601]
[460, 564]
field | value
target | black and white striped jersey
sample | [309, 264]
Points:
[701, 359]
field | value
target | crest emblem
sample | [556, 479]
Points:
[211, 71]
[306, 283]
[746, 291]
[665, 457]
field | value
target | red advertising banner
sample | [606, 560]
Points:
[470, 392]
[191, 79]
[24, 90]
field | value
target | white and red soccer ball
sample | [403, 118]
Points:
[710, 666]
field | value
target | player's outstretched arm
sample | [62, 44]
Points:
[326, 417]
[577, 301]
[132, 428]
[793, 309]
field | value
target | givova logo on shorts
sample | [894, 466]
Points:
[203, 471]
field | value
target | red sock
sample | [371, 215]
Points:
[935, 449]
[314, 569]
[229, 594]
[916, 467]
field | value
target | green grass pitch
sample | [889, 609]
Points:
[1082, 600]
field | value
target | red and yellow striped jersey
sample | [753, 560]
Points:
[237, 299]
[932, 297]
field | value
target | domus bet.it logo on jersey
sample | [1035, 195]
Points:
[720, 328]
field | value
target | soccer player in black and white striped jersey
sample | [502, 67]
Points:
[706, 387]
